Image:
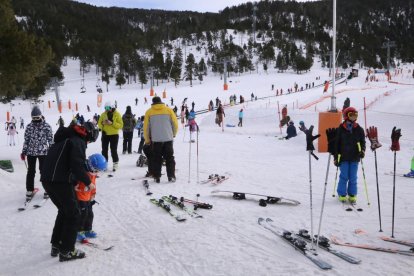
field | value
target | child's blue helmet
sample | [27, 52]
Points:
[98, 162]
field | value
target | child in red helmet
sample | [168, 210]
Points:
[349, 149]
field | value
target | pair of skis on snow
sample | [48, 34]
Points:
[300, 241]
[29, 200]
[265, 199]
[215, 179]
[166, 201]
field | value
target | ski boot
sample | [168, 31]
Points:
[410, 174]
[71, 255]
[342, 198]
[29, 195]
[171, 179]
[115, 166]
[304, 233]
[80, 236]
[352, 199]
[90, 234]
[54, 252]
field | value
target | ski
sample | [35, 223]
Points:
[215, 179]
[353, 207]
[406, 175]
[325, 244]
[174, 201]
[28, 200]
[146, 186]
[219, 179]
[402, 242]
[337, 241]
[160, 203]
[196, 204]
[262, 202]
[97, 245]
[299, 244]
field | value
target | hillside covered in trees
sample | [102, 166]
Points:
[124, 43]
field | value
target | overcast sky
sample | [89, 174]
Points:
[193, 5]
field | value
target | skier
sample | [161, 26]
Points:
[160, 128]
[136, 101]
[285, 117]
[38, 137]
[140, 127]
[86, 196]
[11, 132]
[63, 166]
[192, 126]
[172, 101]
[348, 151]
[88, 108]
[129, 122]
[21, 123]
[240, 118]
[347, 103]
[60, 122]
[110, 122]
[291, 131]
[220, 115]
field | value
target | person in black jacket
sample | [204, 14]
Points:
[65, 165]
[291, 131]
[348, 151]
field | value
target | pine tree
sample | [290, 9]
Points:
[120, 79]
[176, 66]
[189, 68]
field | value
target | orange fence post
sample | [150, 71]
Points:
[99, 100]
[76, 106]
[152, 92]
[226, 86]
[69, 105]
[8, 116]
[164, 94]
[60, 107]
[48, 103]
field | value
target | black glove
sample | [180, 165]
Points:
[310, 138]
[331, 137]
[362, 154]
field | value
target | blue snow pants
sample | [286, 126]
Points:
[348, 177]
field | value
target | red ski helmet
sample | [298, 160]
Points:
[350, 113]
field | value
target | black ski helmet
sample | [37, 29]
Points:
[92, 132]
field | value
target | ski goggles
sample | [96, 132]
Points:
[108, 108]
[37, 118]
[353, 115]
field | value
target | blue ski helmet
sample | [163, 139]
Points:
[98, 162]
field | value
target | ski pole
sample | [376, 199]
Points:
[323, 202]
[363, 174]
[189, 160]
[336, 176]
[378, 195]
[310, 195]
[198, 171]
[184, 133]
[393, 194]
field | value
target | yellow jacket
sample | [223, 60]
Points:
[117, 123]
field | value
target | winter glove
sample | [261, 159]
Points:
[331, 136]
[22, 156]
[372, 134]
[395, 137]
[310, 138]
[362, 154]
[337, 160]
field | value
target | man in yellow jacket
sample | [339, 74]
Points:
[160, 128]
[110, 123]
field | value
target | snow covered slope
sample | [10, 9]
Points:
[227, 240]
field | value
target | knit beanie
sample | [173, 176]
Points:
[36, 111]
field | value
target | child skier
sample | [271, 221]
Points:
[192, 125]
[411, 173]
[86, 196]
[348, 151]
[240, 124]
[12, 132]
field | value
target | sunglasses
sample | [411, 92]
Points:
[353, 115]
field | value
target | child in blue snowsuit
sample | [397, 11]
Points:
[349, 150]
[240, 124]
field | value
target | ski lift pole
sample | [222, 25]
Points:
[278, 112]
[310, 195]
[189, 160]
[198, 171]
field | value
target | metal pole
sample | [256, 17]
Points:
[323, 202]
[378, 195]
[310, 196]
[393, 194]
[333, 99]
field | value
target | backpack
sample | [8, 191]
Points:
[129, 123]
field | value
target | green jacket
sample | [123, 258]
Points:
[117, 123]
